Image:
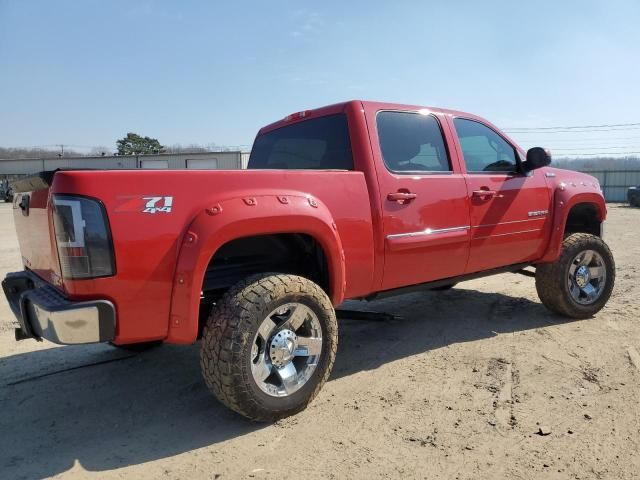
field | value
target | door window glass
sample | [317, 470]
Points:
[483, 149]
[412, 142]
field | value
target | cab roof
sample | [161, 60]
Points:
[369, 105]
[364, 104]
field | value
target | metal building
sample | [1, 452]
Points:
[616, 183]
[173, 161]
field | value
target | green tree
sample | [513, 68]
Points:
[134, 144]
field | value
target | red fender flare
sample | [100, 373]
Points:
[563, 202]
[243, 217]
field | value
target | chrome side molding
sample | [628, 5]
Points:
[428, 231]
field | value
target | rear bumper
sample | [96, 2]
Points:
[44, 313]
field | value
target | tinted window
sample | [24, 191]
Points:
[320, 143]
[411, 142]
[483, 149]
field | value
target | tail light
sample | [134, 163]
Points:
[82, 237]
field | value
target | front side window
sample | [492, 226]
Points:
[320, 143]
[483, 149]
[412, 142]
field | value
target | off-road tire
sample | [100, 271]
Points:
[139, 347]
[228, 335]
[551, 278]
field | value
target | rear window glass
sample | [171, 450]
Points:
[319, 144]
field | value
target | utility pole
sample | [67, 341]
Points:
[61, 149]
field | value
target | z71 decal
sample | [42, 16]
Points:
[148, 204]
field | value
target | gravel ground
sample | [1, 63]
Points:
[460, 387]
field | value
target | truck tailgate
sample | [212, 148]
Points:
[33, 226]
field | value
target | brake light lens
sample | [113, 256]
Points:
[83, 238]
[296, 115]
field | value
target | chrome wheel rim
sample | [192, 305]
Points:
[587, 277]
[286, 349]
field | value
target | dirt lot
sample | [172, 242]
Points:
[458, 388]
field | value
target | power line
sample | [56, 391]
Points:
[582, 154]
[610, 125]
[213, 149]
[589, 140]
[583, 145]
[571, 131]
[595, 148]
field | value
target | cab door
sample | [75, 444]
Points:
[423, 198]
[509, 210]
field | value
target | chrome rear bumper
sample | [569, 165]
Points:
[45, 313]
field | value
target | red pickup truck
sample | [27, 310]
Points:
[354, 200]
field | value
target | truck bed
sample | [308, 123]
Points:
[150, 211]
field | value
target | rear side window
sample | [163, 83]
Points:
[412, 142]
[320, 144]
[483, 149]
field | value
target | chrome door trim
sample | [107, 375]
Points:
[428, 231]
[435, 231]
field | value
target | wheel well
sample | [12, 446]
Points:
[294, 253]
[583, 218]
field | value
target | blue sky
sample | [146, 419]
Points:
[86, 72]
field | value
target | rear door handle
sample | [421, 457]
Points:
[401, 197]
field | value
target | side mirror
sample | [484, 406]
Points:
[537, 157]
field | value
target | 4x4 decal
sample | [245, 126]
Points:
[158, 204]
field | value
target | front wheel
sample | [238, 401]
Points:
[269, 345]
[579, 283]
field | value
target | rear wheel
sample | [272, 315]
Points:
[269, 345]
[579, 283]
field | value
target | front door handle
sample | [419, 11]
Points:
[401, 197]
[482, 193]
